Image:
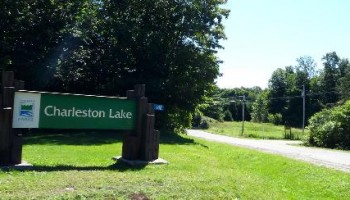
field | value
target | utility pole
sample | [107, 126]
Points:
[243, 105]
[303, 96]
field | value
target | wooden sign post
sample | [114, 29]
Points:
[143, 143]
[10, 139]
[24, 109]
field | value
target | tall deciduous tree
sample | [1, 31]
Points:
[344, 81]
[31, 33]
[286, 88]
[278, 89]
[105, 47]
[260, 108]
[307, 65]
[329, 78]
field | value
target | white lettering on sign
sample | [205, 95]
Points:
[119, 114]
[53, 111]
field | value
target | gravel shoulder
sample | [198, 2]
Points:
[334, 159]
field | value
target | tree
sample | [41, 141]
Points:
[278, 89]
[307, 65]
[105, 47]
[285, 90]
[260, 108]
[31, 36]
[329, 79]
[344, 81]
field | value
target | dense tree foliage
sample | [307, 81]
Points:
[226, 104]
[282, 101]
[260, 108]
[105, 47]
[31, 36]
[278, 88]
[344, 82]
[322, 90]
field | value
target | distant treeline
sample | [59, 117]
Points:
[282, 101]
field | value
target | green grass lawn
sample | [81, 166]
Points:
[254, 130]
[79, 166]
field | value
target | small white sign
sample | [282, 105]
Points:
[26, 110]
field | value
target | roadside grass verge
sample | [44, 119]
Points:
[254, 130]
[79, 166]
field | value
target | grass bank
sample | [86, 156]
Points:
[254, 130]
[79, 166]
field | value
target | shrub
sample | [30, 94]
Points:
[276, 119]
[204, 124]
[174, 119]
[331, 128]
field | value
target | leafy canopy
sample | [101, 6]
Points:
[105, 47]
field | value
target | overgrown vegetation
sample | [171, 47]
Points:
[79, 166]
[331, 128]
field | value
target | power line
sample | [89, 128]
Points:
[308, 95]
[291, 97]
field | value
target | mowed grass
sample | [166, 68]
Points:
[254, 130]
[79, 166]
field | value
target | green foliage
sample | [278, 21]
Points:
[177, 120]
[202, 122]
[33, 35]
[276, 119]
[215, 111]
[329, 79]
[260, 108]
[196, 121]
[277, 87]
[222, 102]
[331, 127]
[307, 65]
[228, 116]
[344, 81]
[322, 90]
[105, 47]
[285, 91]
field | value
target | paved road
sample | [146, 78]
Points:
[329, 158]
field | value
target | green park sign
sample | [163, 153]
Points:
[71, 111]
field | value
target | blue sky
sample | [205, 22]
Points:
[264, 35]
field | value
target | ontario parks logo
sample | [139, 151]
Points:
[26, 110]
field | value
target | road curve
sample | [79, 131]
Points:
[334, 159]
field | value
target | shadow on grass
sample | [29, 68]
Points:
[73, 137]
[179, 139]
[93, 138]
[118, 166]
[169, 138]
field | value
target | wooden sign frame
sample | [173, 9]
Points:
[140, 144]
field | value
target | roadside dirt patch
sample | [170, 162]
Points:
[138, 196]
